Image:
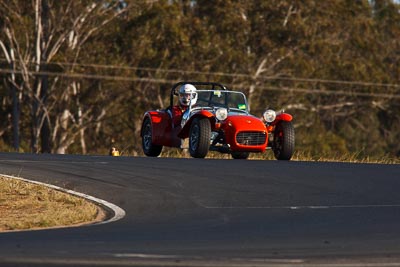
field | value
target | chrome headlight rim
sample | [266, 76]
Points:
[221, 114]
[269, 115]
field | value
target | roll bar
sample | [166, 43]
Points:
[214, 86]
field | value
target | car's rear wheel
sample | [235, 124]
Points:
[149, 149]
[199, 137]
[283, 144]
[240, 155]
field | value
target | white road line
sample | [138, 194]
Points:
[145, 256]
[195, 261]
[199, 262]
[306, 207]
[118, 212]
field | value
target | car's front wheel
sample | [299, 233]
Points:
[283, 144]
[199, 137]
[149, 149]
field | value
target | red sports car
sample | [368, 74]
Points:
[218, 120]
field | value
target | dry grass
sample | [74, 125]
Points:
[29, 206]
[298, 156]
[349, 157]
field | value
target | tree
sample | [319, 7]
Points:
[57, 28]
[86, 71]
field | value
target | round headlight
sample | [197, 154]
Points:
[221, 114]
[269, 115]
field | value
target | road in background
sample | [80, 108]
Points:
[193, 212]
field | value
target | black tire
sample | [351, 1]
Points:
[240, 155]
[283, 144]
[149, 148]
[199, 137]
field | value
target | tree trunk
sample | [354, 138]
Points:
[45, 127]
[63, 122]
[15, 117]
[15, 105]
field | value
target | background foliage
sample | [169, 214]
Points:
[77, 76]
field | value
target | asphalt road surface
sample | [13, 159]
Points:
[193, 212]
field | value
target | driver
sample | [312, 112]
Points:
[187, 97]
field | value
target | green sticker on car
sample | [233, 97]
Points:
[242, 106]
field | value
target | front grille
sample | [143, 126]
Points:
[251, 138]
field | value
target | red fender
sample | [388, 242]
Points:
[161, 127]
[155, 116]
[282, 117]
[202, 113]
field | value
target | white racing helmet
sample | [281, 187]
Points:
[187, 95]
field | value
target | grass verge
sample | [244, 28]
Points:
[30, 206]
[297, 156]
